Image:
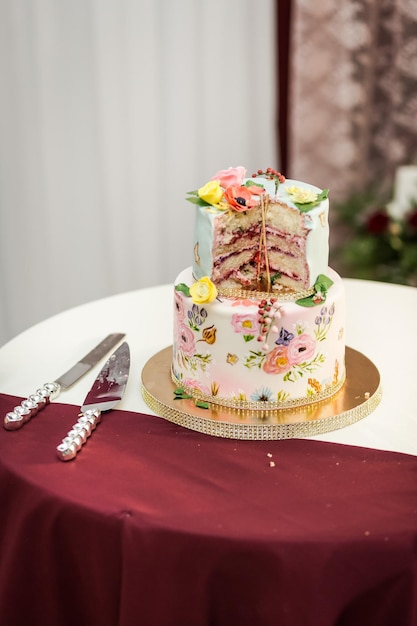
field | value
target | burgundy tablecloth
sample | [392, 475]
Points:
[155, 525]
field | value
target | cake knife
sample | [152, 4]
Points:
[106, 392]
[37, 401]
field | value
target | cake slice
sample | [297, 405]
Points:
[280, 240]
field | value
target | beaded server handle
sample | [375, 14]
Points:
[31, 406]
[78, 435]
[37, 401]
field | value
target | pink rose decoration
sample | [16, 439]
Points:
[301, 349]
[245, 324]
[185, 339]
[232, 176]
[276, 361]
[179, 306]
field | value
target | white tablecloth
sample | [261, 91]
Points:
[381, 323]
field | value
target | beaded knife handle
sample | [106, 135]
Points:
[31, 406]
[37, 401]
[107, 390]
[78, 435]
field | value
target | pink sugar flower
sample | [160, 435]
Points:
[231, 176]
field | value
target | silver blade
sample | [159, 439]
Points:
[86, 363]
[110, 384]
[36, 402]
[106, 392]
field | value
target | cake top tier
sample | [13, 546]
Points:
[261, 232]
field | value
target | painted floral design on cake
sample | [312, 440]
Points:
[296, 355]
[188, 332]
[245, 324]
[293, 356]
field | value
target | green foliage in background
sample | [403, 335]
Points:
[376, 245]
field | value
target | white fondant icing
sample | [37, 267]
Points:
[216, 347]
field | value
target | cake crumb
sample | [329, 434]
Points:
[269, 455]
[271, 464]
[367, 395]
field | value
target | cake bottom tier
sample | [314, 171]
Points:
[257, 352]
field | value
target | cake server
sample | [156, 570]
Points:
[106, 392]
[36, 401]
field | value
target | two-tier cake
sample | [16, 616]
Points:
[259, 317]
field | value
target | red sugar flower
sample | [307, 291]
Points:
[239, 198]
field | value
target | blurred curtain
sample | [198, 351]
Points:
[352, 92]
[283, 41]
[110, 111]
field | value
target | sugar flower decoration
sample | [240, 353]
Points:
[306, 199]
[230, 177]
[239, 198]
[229, 189]
[203, 291]
[211, 192]
[302, 195]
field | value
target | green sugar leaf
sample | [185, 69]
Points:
[180, 394]
[183, 288]
[323, 283]
[201, 404]
[251, 183]
[307, 302]
[197, 200]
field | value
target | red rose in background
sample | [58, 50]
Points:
[377, 222]
[412, 220]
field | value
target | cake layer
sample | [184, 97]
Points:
[260, 351]
[241, 268]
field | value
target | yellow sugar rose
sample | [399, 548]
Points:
[203, 291]
[302, 195]
[211, 192]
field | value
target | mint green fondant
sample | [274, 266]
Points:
[315, 221]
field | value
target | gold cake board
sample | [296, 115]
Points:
[358, 397]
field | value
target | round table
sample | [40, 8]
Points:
[376, 312]
[156, 524]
